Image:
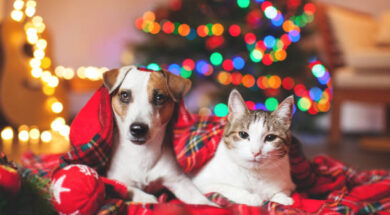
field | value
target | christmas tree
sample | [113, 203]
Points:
[253, 46]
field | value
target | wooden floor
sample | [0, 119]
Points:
[347, 151]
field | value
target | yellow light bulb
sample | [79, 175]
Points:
[57, 107]
[81, 72]
[46, 63]
[46, 136]
[59, 71]
[41, 44]
[49, 91]
[18, 4]
[34, 133]
[7, 133]
[17, 15]
[23, 136]
[41, 27]
[46, 75]
[39, 54]
[30, 11]
[31, 3]
[53, 81]
[65, 130]
[37, 20]
[35, 63]
[57, 123]
[36, 72]
[68, 73]
[32, 39]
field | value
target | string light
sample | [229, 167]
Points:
[40, 69]
[7, 133]
[23, 135]
[46, 136]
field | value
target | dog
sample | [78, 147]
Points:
[143, 103]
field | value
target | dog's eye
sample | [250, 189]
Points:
[124, 97]
[270, 137]
[159, 99]
[243, 134]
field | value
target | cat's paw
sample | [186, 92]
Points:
[282, 198]
[253, 200]
[144, 198]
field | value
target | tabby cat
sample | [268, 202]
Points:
[251, 164]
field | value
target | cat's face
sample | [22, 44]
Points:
[257, 138]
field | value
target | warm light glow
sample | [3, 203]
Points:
[47, 90]
[46, 136]
[34, 133]
[46, 75]
[81, 73]
[39, 54]
[57, 123]
[35, 63]
[68, 73]
[18, 4]
[36, 20]
[41, 27]
[30, 11]
[36, 72]
[23, 135]
[41, 44]
[7, 133]
[59, 71]
[31, 3]
[53, 81]
[32, 36]
[46, 63]
[65, 130]
[17, 15]
[57, 107]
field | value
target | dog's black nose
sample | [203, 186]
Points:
[138, 129]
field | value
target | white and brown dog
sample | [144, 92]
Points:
[143, 104]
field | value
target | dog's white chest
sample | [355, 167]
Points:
[132, 164]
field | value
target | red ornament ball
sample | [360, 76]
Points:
[10, 181]
[77, 189]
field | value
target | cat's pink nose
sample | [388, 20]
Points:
[255, 154]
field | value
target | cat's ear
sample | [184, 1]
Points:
[285, 110]
[237, 106]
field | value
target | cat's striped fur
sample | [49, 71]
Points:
[251, 164]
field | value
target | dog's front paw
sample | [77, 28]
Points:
[144, 198]
[283, 199]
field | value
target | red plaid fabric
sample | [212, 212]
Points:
[196, 138]
[324, 185]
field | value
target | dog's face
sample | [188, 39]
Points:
[143, 101]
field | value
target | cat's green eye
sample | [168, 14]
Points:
[270, 137]
[243, 134]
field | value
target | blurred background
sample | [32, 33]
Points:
[334, 56]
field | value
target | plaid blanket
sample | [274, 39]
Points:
[324, 185]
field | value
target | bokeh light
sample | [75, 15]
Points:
[221, 110]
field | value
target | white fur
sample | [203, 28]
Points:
[248, 173]
[146, 168]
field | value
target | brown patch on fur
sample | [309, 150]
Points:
[178, 86]
[109, 78]
[157, 83]
[119, 107]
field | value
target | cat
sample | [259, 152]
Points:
[251, 164]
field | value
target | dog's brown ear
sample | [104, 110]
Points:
[112, 79]
[178, 86]
[109, 78]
